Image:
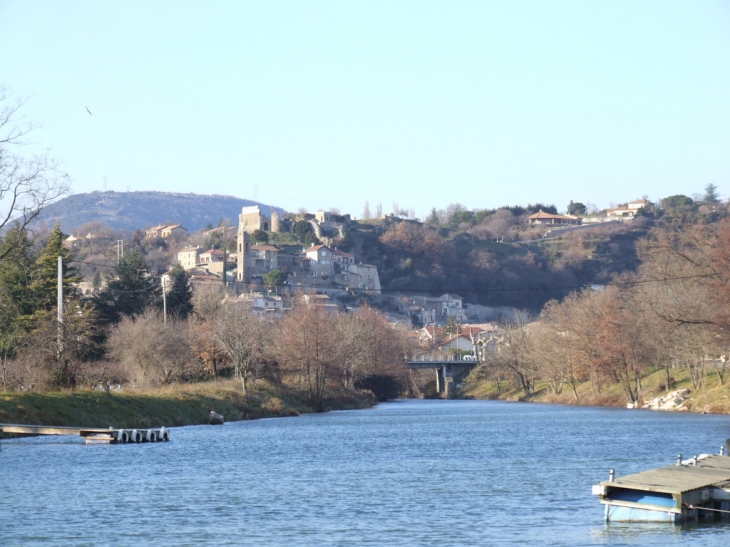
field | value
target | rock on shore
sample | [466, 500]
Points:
[671, 401]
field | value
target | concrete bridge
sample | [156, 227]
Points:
[447, 367]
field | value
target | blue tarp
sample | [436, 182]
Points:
[641, 496]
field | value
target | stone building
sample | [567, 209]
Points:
[243, 270]
[252, 219]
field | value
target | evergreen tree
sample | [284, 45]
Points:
[433, 217]
[44, 287]
[711, 195]
[260, 236]
[180, 294]
[16, 275]
[305, 233]
[16, 272]
[275, 278]
[576, 208]
[130, 290]
[677, 203]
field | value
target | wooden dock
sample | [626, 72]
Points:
[91, 435]
[691, 489]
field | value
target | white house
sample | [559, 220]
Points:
[321, 261]
[188, 257]
[363, 277]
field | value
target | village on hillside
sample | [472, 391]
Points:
[266, 277]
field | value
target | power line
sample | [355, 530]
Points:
[144, 289]
[93, 263]
[526, 289]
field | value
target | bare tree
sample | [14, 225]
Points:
[27, 184]
[306, 348]
[516, 352]
[558, 348]
[239, 334]
[208, 300]
[623, 353]
[499, 223]
[152, 351]
[368, 346]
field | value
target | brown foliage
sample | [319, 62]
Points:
[305, 347]
[239, 335]
[368, 346]
[152, 352]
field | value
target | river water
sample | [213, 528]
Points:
[406, 473]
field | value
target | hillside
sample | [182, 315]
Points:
[514, 267]
[139, 210]
[414, 257]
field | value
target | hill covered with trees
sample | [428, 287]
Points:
[523, 271]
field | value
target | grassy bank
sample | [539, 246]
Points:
[713, 398]
[186, 404]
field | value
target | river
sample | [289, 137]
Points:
[406, 473]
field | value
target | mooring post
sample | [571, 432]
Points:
[679, 459]
[611, 475]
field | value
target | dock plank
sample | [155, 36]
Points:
[677, 479]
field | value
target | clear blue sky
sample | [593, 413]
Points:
[420, 103]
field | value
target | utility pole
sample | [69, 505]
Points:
[225, 259]
[60, 308]
[164, 299]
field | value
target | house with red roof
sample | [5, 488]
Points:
[541, 217]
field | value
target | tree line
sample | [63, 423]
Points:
[671, 313]
[119, 336]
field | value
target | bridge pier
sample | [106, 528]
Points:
[446, 371]
[442, 380]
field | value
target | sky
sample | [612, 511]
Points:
[323, 105]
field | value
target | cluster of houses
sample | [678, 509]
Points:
[556, 224]
[319, 266]
[327, 272]
[321, 269]
[624, 213]
[475, 340]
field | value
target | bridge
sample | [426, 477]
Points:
[446, 366]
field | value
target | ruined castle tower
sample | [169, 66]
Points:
[275, 222]
[251, 219]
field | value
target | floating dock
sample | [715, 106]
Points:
[693, 489]
[91, 435]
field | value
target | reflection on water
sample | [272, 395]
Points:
[405, 473]
[647, 533]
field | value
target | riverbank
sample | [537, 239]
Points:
[184, 404]
[713, 398]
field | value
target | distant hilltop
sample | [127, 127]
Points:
[139, 210]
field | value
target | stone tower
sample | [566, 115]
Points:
[275, 222]
[251, 219]
[244, 252]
